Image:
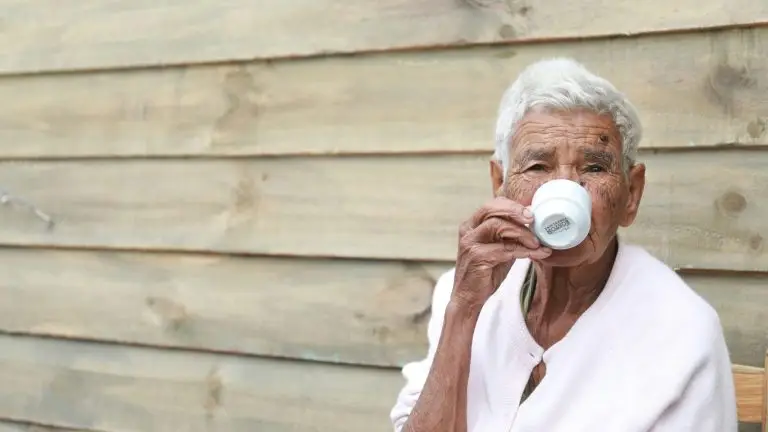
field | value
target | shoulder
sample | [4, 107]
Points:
[658, 299]
[655, 318]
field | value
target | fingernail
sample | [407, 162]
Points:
[527, 213]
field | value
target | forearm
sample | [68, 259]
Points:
[442, 405]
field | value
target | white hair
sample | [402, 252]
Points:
[564, 84]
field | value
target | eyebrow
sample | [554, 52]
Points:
[535, 155]
[599, 156]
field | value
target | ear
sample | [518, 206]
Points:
[497, 177]
[636, 187]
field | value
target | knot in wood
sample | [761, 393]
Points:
[732, 203]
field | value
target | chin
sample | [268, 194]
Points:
[566, 258]
[584, 253]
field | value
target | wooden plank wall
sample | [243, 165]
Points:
[252, 200]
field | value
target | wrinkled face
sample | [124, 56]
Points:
[584, 147]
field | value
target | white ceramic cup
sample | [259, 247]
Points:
[562, 211]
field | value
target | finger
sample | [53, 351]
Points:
[500, 230]
[465, 228]
[503, 208]
[535, 253]
[512, 232]
[490, 255]
[539, 253]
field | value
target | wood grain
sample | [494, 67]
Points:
[116, 388]
[749, 389]
[332, 310]
[48, 35]
[700, 209]
[700, 89]
[345, 311]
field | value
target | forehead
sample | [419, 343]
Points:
[581, 128]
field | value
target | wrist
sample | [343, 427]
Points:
[461, 310]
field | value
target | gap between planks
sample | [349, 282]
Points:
[212, 253]
[189, 349]
[8, 424]
[715, 148]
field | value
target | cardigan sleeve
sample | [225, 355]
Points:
[708, 403]
[416, 373]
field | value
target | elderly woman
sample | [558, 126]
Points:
[596, 337]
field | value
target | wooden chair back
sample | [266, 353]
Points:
[752, 393]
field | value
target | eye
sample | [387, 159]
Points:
[536, 167]
[595, 168]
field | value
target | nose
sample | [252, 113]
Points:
[569, 172]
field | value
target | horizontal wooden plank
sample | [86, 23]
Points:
[347, 311]
[751, 391]
[691, 90]
[96, 34]
[741, 301]
[337, 311]
[749, 382]
[116, 388]
[700, 209]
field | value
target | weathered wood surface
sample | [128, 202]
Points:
[741, 302]
[338, 311]
[358, 312]
[116, 388]
[700, 209]
[691, 90]
[46, 35]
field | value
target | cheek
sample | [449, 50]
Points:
[521, 188]
[607, 199]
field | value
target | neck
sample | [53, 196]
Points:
[566, 292]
